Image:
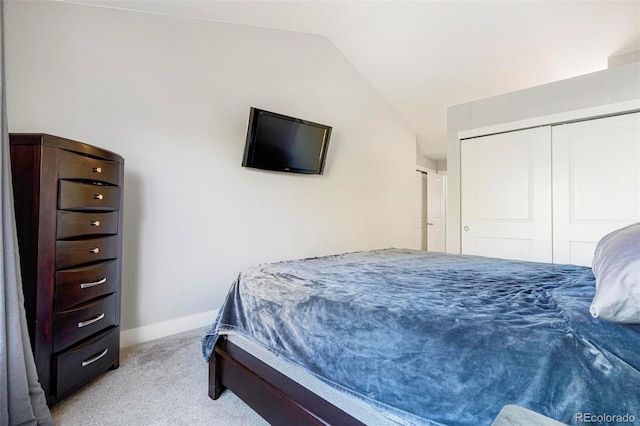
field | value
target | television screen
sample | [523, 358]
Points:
[287, 144]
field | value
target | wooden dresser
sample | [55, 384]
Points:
[68, 202]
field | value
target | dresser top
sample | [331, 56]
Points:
[63, 143]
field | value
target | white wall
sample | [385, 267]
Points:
[590, 91]
[172, 96]
[426, 162]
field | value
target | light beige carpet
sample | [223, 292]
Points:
[162, 382]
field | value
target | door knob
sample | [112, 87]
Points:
[466, 228]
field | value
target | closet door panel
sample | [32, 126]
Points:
[596, 183]
[506, 195]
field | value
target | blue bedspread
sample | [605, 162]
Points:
[441, 339]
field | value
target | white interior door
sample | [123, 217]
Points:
[506, 195]
[435, 219]
[596, 188]
[421, 217]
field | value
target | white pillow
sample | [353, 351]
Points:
[616, 266]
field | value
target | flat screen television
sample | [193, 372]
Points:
[286, 144]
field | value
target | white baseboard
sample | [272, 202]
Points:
[166, 328]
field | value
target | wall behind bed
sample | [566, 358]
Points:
[172, 96]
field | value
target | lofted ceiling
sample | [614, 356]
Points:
[423, 56]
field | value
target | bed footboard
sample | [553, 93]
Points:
[278, 399]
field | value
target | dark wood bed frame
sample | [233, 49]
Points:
[277, 398]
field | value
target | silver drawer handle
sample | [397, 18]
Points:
[91, 321]
[97, 169]
[94, 250]
[95, 358]
[98, 196]
[95, 223]
[94, 283]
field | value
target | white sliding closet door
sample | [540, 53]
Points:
[506, 195]
[596, 183]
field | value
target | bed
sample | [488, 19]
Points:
[400, 336]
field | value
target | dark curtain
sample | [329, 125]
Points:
[22, 401]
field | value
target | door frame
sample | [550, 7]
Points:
[424, 241]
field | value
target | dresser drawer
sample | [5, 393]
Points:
[78, 285]
[79, 252]
[78, 366]
[85, 196]
[76, 166]
[75, 324]
[73, 224]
